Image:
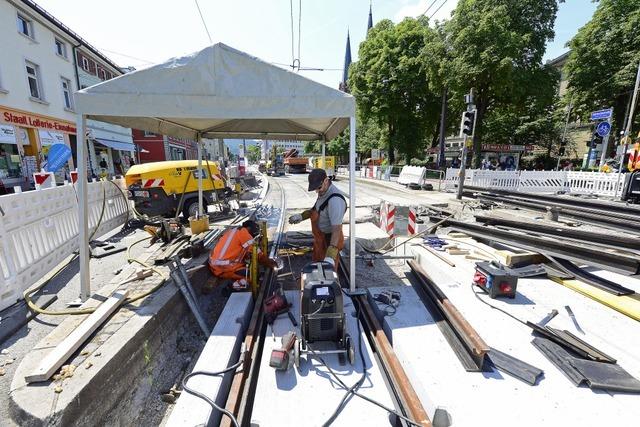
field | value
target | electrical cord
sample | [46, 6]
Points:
[496, 308]
[213, 404]
[353, 390]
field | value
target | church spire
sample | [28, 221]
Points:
[347, 61]
[370, 22]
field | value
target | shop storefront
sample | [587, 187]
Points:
[25, 139]
[503, 156]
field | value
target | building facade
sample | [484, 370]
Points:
[39, 72]
[157, 148]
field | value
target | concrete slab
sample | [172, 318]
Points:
[368, 237]
[310, 395]
[221, 350]
[555, 399]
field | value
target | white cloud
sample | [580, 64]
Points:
[415, 9]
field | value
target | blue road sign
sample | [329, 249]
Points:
[603, 128]
[59, 154]
[601, 114]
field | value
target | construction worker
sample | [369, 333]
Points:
[228, 258]
[326, 217]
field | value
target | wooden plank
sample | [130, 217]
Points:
[50, 364]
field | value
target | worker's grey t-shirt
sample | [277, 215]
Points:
[334, 212]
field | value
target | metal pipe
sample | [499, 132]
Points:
[352, 203]
[200, 204]
[83, 210]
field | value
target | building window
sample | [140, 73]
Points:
[25, 26]
[61, 48]
[101, 74]
[33, 76]
[85, 64]
[66, 93]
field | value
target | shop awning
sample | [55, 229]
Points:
[116, 145]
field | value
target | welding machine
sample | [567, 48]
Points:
[322, 312]
[495, 280]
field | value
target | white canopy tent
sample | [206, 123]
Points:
[218, 92]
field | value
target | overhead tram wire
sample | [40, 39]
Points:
[299, 29]
[439, 7]
[203, 22]
[293, 54]
[430, 6]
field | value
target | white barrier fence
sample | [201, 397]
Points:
[595, 183]
[412, 175]
[39, 229]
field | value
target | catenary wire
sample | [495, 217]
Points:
[203, 22]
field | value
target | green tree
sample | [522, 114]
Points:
[389, 83]
[253, 153]
[496, 47]
[604, 58]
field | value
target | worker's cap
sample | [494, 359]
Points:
[252, 226]
[316, 178]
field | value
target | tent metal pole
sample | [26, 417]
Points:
[352, 203]
[83, 209]
[324, 145]
[199, 143]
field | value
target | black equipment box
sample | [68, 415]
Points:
[322, 308]
[495, 280]
[631, 190]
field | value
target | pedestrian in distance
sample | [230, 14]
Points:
[326, 217]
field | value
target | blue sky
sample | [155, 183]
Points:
[142, 32]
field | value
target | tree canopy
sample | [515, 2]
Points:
[604, 57]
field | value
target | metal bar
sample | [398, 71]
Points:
[471, 338]
[193, 305]
[515, 367]
[83, 210]
[352, 203]
[562, 249]
[391, 365]
[591, 279]
[589, 236]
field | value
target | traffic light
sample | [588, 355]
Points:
[468, 118]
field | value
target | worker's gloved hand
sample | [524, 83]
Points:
[332, 252]
[295, 219]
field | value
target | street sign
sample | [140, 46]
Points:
[603, 128]
[601, 114]
[375, 154]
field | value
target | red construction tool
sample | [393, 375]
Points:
[276, 305]
[280, 358]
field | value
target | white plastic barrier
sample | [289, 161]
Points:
[39, 229]
[543, 181]
[412, 175]
[502, 180]
[598, 183]
[595, 183]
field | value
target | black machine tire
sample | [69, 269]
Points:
[191, 207]
[351, 354]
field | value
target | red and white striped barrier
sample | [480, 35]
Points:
[44, 180]
[151, 183]
[411, 223]
[387, 217]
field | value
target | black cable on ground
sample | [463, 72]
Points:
[353, 389]
[497, 308]
[213, 404]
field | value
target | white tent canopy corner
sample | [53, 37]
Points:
[218, 92]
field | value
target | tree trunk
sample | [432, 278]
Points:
[390, 153]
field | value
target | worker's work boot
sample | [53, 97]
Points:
[240, 285]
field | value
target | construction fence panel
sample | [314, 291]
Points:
[596, 183]
[543, 182]
[502, 180]
[39, 229]
[412, 175]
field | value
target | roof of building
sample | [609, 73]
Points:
[560, 60]
[53, 20]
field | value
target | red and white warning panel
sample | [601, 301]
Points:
[411, 223]
[44, 179]
[151, 183]
[387, 217]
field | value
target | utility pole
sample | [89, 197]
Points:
[442, 162]
[564, 134]
[605, 142]
[627, 130]
[468, 129]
